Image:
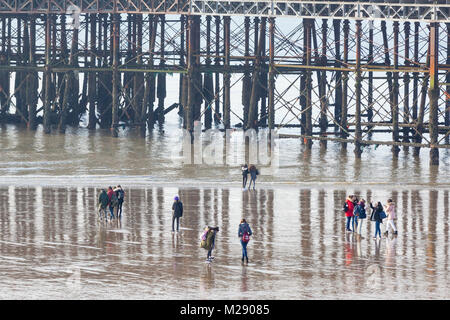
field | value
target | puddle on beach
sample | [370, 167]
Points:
[53, 246]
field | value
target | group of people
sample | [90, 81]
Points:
[208, 236]
[253, 171]
[355, 212]
[208, 239]
[112, 199]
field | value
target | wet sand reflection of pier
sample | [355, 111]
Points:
[299, 248]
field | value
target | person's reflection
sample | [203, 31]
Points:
[348, 248]
[206, 280]
[244, 279]
[391, 244]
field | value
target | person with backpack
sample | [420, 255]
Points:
[253, 173]
[244, 170]
[377, 217]
[208, 241]
[391, 215]
[244, 233]
[177, 213]
[360, 215]
[348, 209]
[120, 197]
[103, 201]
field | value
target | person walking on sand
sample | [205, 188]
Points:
[103, 201]
[208, 241]
[360, 214]
[112, 201]
[244, 233]
[253, 173]
[120, 197]
[177, 213]
[349, 207]
[391, 216]
[377, 218]
[244, 170]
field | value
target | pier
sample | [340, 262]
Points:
[354, 67]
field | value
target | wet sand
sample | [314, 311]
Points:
[53, 246]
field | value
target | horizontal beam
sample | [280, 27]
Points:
[365, 142]
[352, 10]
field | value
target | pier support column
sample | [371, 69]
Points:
[406, 80]
[32, 82]
[395, 93]
[434, 92]
[370, 58]
[344, 127]
[358, 133]
[217, 114]
[161, 89]
[208, 90]
[338, 81]
[92, 83]
[323, 86]
[115, 75]
[227, 74]
[423, 98]
[47, 77]
[263, 82]
[271, 84]
[246, 81]
[447, 100]
[308, 111]
[189, 110]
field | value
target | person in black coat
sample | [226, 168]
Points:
[376, 216]
[177, 213]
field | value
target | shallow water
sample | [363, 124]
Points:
[53, 246]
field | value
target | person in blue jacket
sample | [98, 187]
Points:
[244, 233]
[360, 214]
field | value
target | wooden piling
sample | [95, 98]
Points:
[406, 80]
[161, 88]
[308, 111]
[344, 106]
[323, 121]
[246, 80]
[208, 90]
[395, 93]
[370, 58]
[358, 133]
[421, 112]
[338, 81]
[32, 82]
[434, 92]
[447, 100]
[263, 81]
[271, 84]
[92, 81]
[47, 77]
[217, 113]
[227, 75]
[115, 75]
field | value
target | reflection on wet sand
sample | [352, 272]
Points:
[54, 246]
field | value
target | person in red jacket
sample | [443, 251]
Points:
[350, 206]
